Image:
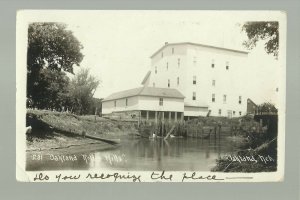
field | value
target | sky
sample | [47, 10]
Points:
[118, 44]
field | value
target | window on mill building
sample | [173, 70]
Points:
[213, 63]
[227, 65]
[194, 95]
[195, 60]
[224, 98]
[161, 101]
[194, 80]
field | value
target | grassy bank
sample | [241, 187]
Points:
[55, 130]
[78, 125]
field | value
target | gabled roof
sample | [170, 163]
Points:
[146, 91]
[146, 77]
[251, 101]
[197, 44]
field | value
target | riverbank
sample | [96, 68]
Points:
[256, 155]
[55, 131]
[256, 144]
[260, 159]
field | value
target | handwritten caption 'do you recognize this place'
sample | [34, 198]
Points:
[112, 176]
[161, 176]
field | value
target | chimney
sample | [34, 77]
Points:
[166, 43]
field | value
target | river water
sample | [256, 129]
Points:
[174, 154]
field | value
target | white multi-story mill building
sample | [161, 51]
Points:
[210, 78]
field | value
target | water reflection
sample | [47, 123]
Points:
[184, 154]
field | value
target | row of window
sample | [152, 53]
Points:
[178, 64]
[169, 82]
[213, 98]
[194, 82]
[195, 60]
[167, 65]
[161, 102]
[226, 64]
[212, 63]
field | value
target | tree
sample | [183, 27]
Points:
[52, 90]
[81, 91]
[267, 31]
[267, 108]
[51, 51]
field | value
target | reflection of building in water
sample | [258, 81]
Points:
[201, 78]
[172, 154]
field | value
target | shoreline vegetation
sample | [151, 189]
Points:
[57, 131]
[260, 159]
[256, 142]
[66, 133]
[257, 148]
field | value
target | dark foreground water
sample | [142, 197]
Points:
[185, 154]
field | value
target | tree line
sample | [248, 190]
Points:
[52, 53]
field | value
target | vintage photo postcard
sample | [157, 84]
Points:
[150, 96]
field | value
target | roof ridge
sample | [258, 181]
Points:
[199, 44]
[146, 91]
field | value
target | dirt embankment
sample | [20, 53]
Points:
[55, 131]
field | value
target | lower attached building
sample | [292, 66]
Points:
[147, 103]
[195, 109]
